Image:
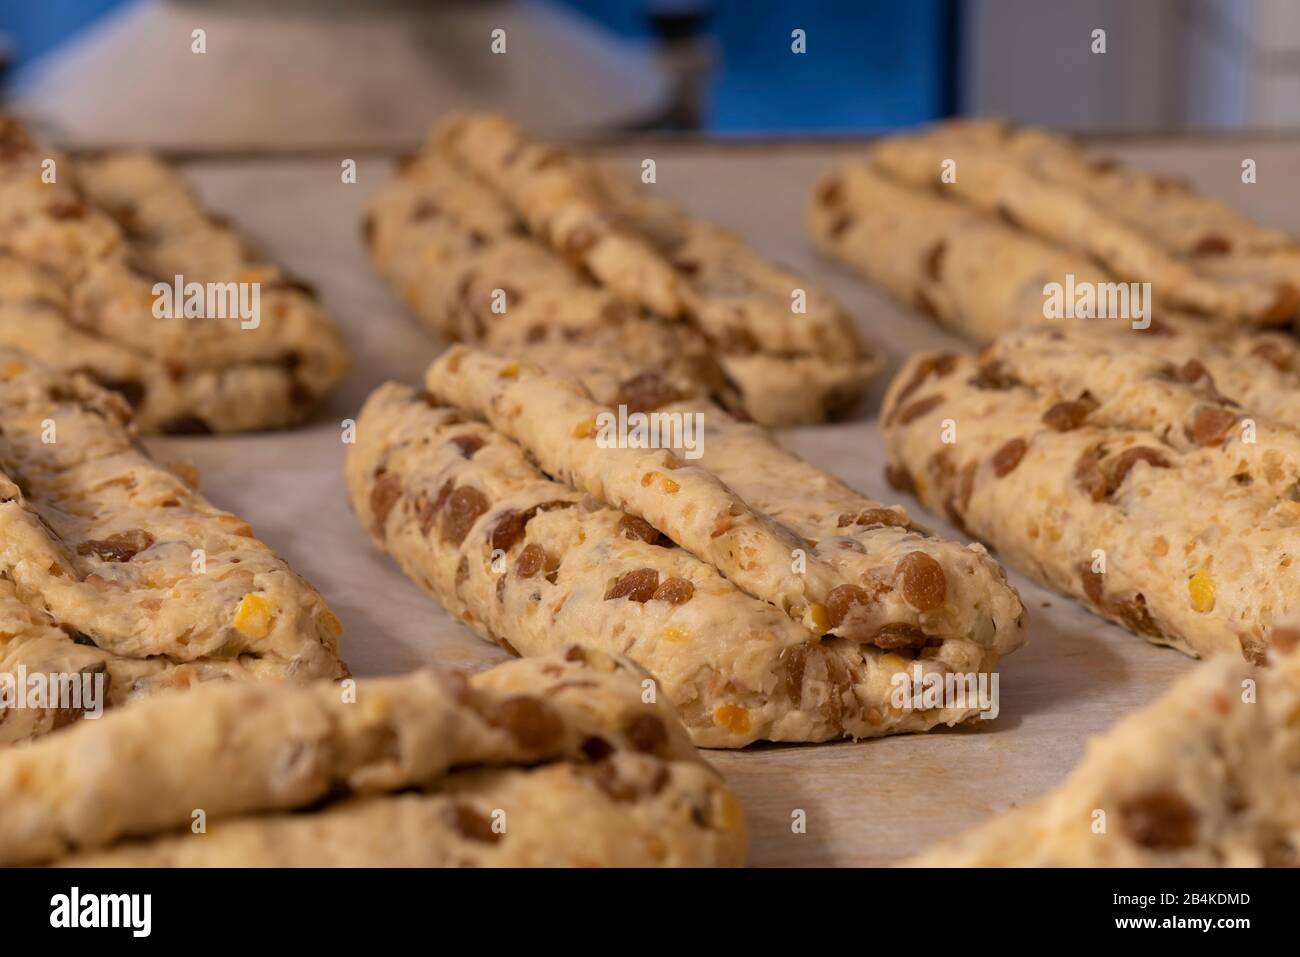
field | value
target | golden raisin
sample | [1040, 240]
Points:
[841, 600]
[634, 527]
[639, 585]
[646, 392]
[531, 561]
[994, 376]
[1212, 426]
[509, 528]
[924, 585]
[464, 506]
[898, 634]
[675, 591]
[1124, 462]
[1067, 415]
[532, 723]
[1008, 457]
[910, 413]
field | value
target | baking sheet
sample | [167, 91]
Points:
[865, 803]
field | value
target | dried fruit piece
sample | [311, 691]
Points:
[1123, 463]
[638, 585]
[841, 600]
[1008, 457]
[732, 717]
[665, 483]
[924, 584]
[648, 734]
[821, 618]
[509, 528]
[636, 528]
[1093, 585]
[429, 510]
[530, 721]
[874, 516]
[253, 617]
[1160, 820]
[624, 784]
[1200, 588]
[1090, 475]
[464, 506]
[994, 376]
[468, 444]
[910, 413]
[675, 591]
[646, 392]
[1211, 427]
[1212, 245]
[1067, 415]
[121, 547]
[815, 680]
[898, 634]
[1193, 370]
[937, 365]
[470, 824]
[531, 561]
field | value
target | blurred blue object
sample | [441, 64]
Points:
[34, 26]
[868, 66]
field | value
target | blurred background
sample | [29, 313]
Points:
[317, 74]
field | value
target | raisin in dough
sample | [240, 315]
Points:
[463, 239]
[532, 564]
[507, 767]
[967, 268]
[1119, 471]
[555, 419]
[1198, 253]
[1206, 776]
[98, 551]
[81, 258]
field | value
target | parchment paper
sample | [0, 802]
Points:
[866, 803]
